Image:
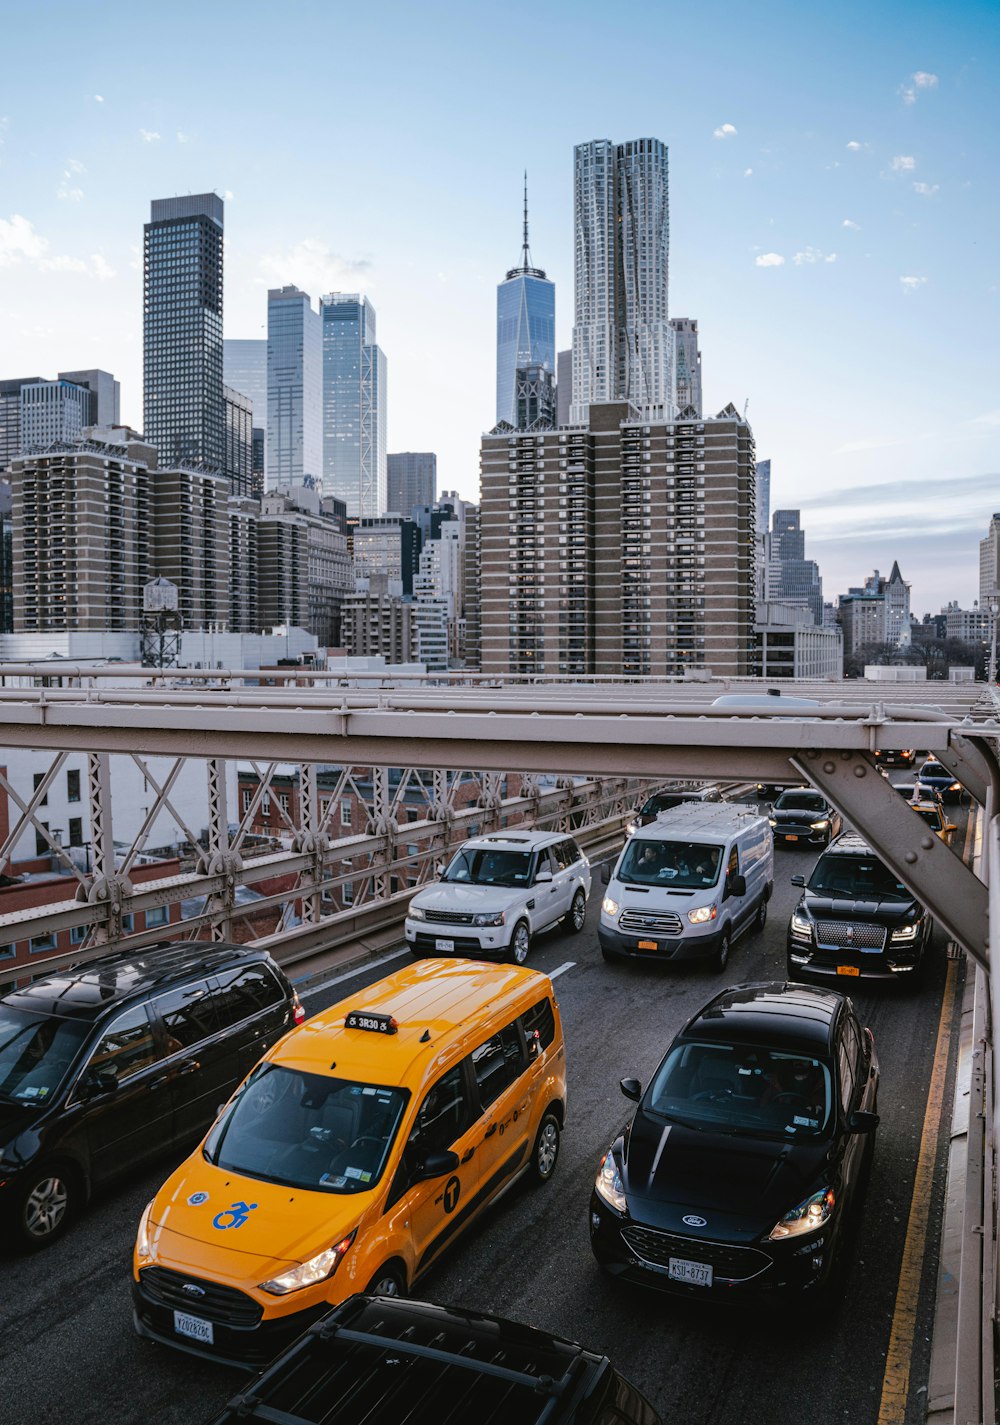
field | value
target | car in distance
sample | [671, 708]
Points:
[498, 893]
[356, 1152]
[748, 1151]
[935, 776]
[105, 1065]
[454, 1365]
[854, 919]
[896, 757]
[663, 801]
[805, 817]
[930, 810]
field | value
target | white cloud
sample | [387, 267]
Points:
[98, 98]
[724, 131]
[311, 265]
[923, 80]
[101, 269]
[228, 195]
[68, 192]
[903, 163]
[849, 223]
[769, 259]
[854, 146]
[927, 190]
[149, 135]
[182, 137]
[747, 172]
[19, 243]
[910, 284]
[811, 255]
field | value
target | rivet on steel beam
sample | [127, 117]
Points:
[910, 857]
[927, 842]
[860, 771]
[829, 767]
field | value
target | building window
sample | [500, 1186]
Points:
[245, 803]
[158, 915]
[41, 943]
[73, 787]
[39, 778]
[41, 844]
[128, 924]
[345, 813]
[265, 805]
[78, 934]
[348, 892]
[76, 831]
[284, 801]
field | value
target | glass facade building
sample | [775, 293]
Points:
[54, 411]
[244, 368]
[239, 441]
[183, 406]
[354, 405]
[526, 326]
[294, 389]
[412, 480]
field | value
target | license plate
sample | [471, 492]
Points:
[444, 945]
[193, 1327]
[694, 1273]
[848, 970]
[647, 945]
[793, 836]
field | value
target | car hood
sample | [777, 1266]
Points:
[803, 816]
[881, 912]
[740, 1186]
[456, 896]
[206, 1219]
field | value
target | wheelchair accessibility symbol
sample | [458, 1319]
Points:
[238, 1213]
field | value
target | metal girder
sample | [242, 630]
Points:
[967, 764]
[954, 895]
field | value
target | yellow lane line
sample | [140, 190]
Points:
[896, 1381]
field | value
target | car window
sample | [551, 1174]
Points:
[565, 854]
[482, 866]
[853, 1042]
[187, 1014]
[545, 861]
[444, 1115]
[539, 1024]
[127, 1047]
[800, 801]
[496, 1064]
[748, 1089]
[845, 1070]
[571, 852]
[680, 864]
[856, 878]
[35, 1053]
[241, 993]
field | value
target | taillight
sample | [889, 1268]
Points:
[298, 1013]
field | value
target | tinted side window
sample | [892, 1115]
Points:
[497, 1064]
[444, 1114]
[539, 1024]
[188, 1015]
[853, 1042]
[126, 1047]
[241, 993]
[845, 1068]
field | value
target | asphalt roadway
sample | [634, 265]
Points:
[68, 1351]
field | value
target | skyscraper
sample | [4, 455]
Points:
[623, 343]
[183, 408]
[564, 386]
[791, 578]
[35, 412]
[294, 388]
[244, 367]
[763, 495]
[687, 366]
[526, 325]
[412, 480]
[354, 405]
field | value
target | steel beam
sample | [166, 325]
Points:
[954, 895]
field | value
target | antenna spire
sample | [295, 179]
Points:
[526, 268]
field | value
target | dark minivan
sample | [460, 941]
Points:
[105, 1065]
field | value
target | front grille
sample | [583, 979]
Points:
[850, 935]
[736, 1264]
[223, 1304]
[449, 917]
[666, 923]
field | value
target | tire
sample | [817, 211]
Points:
[760, 919]
[576, 917]
[721, 958]
[545, 1153]
[387, 1281]
[520, 943]
[46, 1205]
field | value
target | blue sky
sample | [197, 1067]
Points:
[834, 215]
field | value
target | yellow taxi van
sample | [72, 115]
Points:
[356, 1151]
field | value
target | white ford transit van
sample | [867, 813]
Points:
[685, 886]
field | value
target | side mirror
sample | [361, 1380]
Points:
[798, 880]
[541, 876]
[632, 1089]
[436, 1165]
[605, 872]
[863, 1122]
[439, 869]
[738, 886]
[950, 827]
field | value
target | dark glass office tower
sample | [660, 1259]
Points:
[183, 405]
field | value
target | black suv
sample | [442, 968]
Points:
[660, 802]
[855, 919]
[107, 1064]
[383, 1359]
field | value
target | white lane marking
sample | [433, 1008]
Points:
[353, 974]
[562, 969]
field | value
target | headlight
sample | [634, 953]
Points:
[415, 913]
[631, 827]
[771, 821]
[809, 1215]
[703, 913]
[495, 919]
[609, 906]
[609, 1184]
[142, 1236]
[819, 825]
[800, 925]
[906, 932]
[317, 1269]
[955, 787]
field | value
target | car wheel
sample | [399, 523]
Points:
[388, 1281]
[546, 1150]
[520, 943]
[722, 953]
[760, 920]
[576, 917]
[47, 1203]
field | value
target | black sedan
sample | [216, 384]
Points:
[805, 817]
[935, 776]
[748, 1153]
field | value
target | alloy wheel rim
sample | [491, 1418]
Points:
[521, 945]
[46, 1207]
[579, 912]
[548, 1148]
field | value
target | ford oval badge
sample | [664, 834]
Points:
[693, 1221]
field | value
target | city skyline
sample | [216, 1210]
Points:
[829, 209]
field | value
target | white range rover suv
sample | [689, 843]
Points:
[498, 892]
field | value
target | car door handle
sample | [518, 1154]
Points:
[188, 1066]
[467, 1154]
[489, 1132]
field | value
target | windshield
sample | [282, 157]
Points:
[857, 878]
[307, 1130]
[800, 801]
[932, 817]
[486, 866]
[36, 1051]
[736, 1088]
[933, 769]
[684, 865]
[663, 802]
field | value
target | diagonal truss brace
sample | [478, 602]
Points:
[954, 895]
